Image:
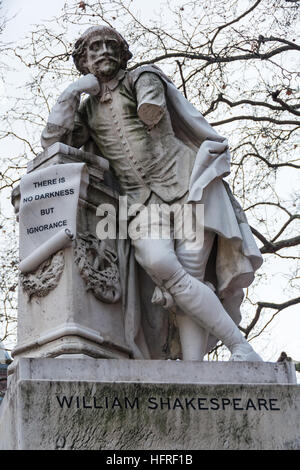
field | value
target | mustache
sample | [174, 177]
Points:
[105, 57]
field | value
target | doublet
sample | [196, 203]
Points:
[145, 158]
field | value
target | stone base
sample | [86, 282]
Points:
[67, 403]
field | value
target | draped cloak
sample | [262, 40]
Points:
[150, 331]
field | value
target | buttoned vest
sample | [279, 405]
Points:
[144, 160]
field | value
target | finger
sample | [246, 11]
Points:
[218, 147]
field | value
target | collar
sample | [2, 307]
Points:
[114, 82]
[106, 88]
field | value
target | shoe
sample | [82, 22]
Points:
[201, 304]
[244, 352]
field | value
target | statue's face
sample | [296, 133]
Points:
[103, 56]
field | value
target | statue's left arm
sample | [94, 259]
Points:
[151, 100]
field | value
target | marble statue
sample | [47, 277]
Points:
[162, 151]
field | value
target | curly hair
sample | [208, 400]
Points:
[79, 52]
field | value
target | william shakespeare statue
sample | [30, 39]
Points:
[162, 151]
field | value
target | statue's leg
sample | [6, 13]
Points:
[193, 297]
[200, 304]
[192, 336]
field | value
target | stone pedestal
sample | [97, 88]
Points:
[149, 405]
[72, 303]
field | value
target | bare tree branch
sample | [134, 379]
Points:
[182, 78]
[269, 164]
[221, 99]
[235, 20]
[256, 119]
[262, 305]
[284, 105]
[218, 60]
[273, 247]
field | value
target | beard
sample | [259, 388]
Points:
[105, 68]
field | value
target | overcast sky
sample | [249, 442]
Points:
[29, 12]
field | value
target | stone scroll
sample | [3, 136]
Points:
[48, 211]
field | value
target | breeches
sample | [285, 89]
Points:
[163, 258]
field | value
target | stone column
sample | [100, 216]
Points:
[71, 304]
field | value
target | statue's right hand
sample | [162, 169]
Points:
[215, 148]
[87, 84]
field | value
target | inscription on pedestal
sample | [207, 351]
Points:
[155, 416]
[48, 211]
[167, 403]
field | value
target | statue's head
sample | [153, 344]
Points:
[102, 51]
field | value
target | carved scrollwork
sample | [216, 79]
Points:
[98, 266]
[45, 278]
